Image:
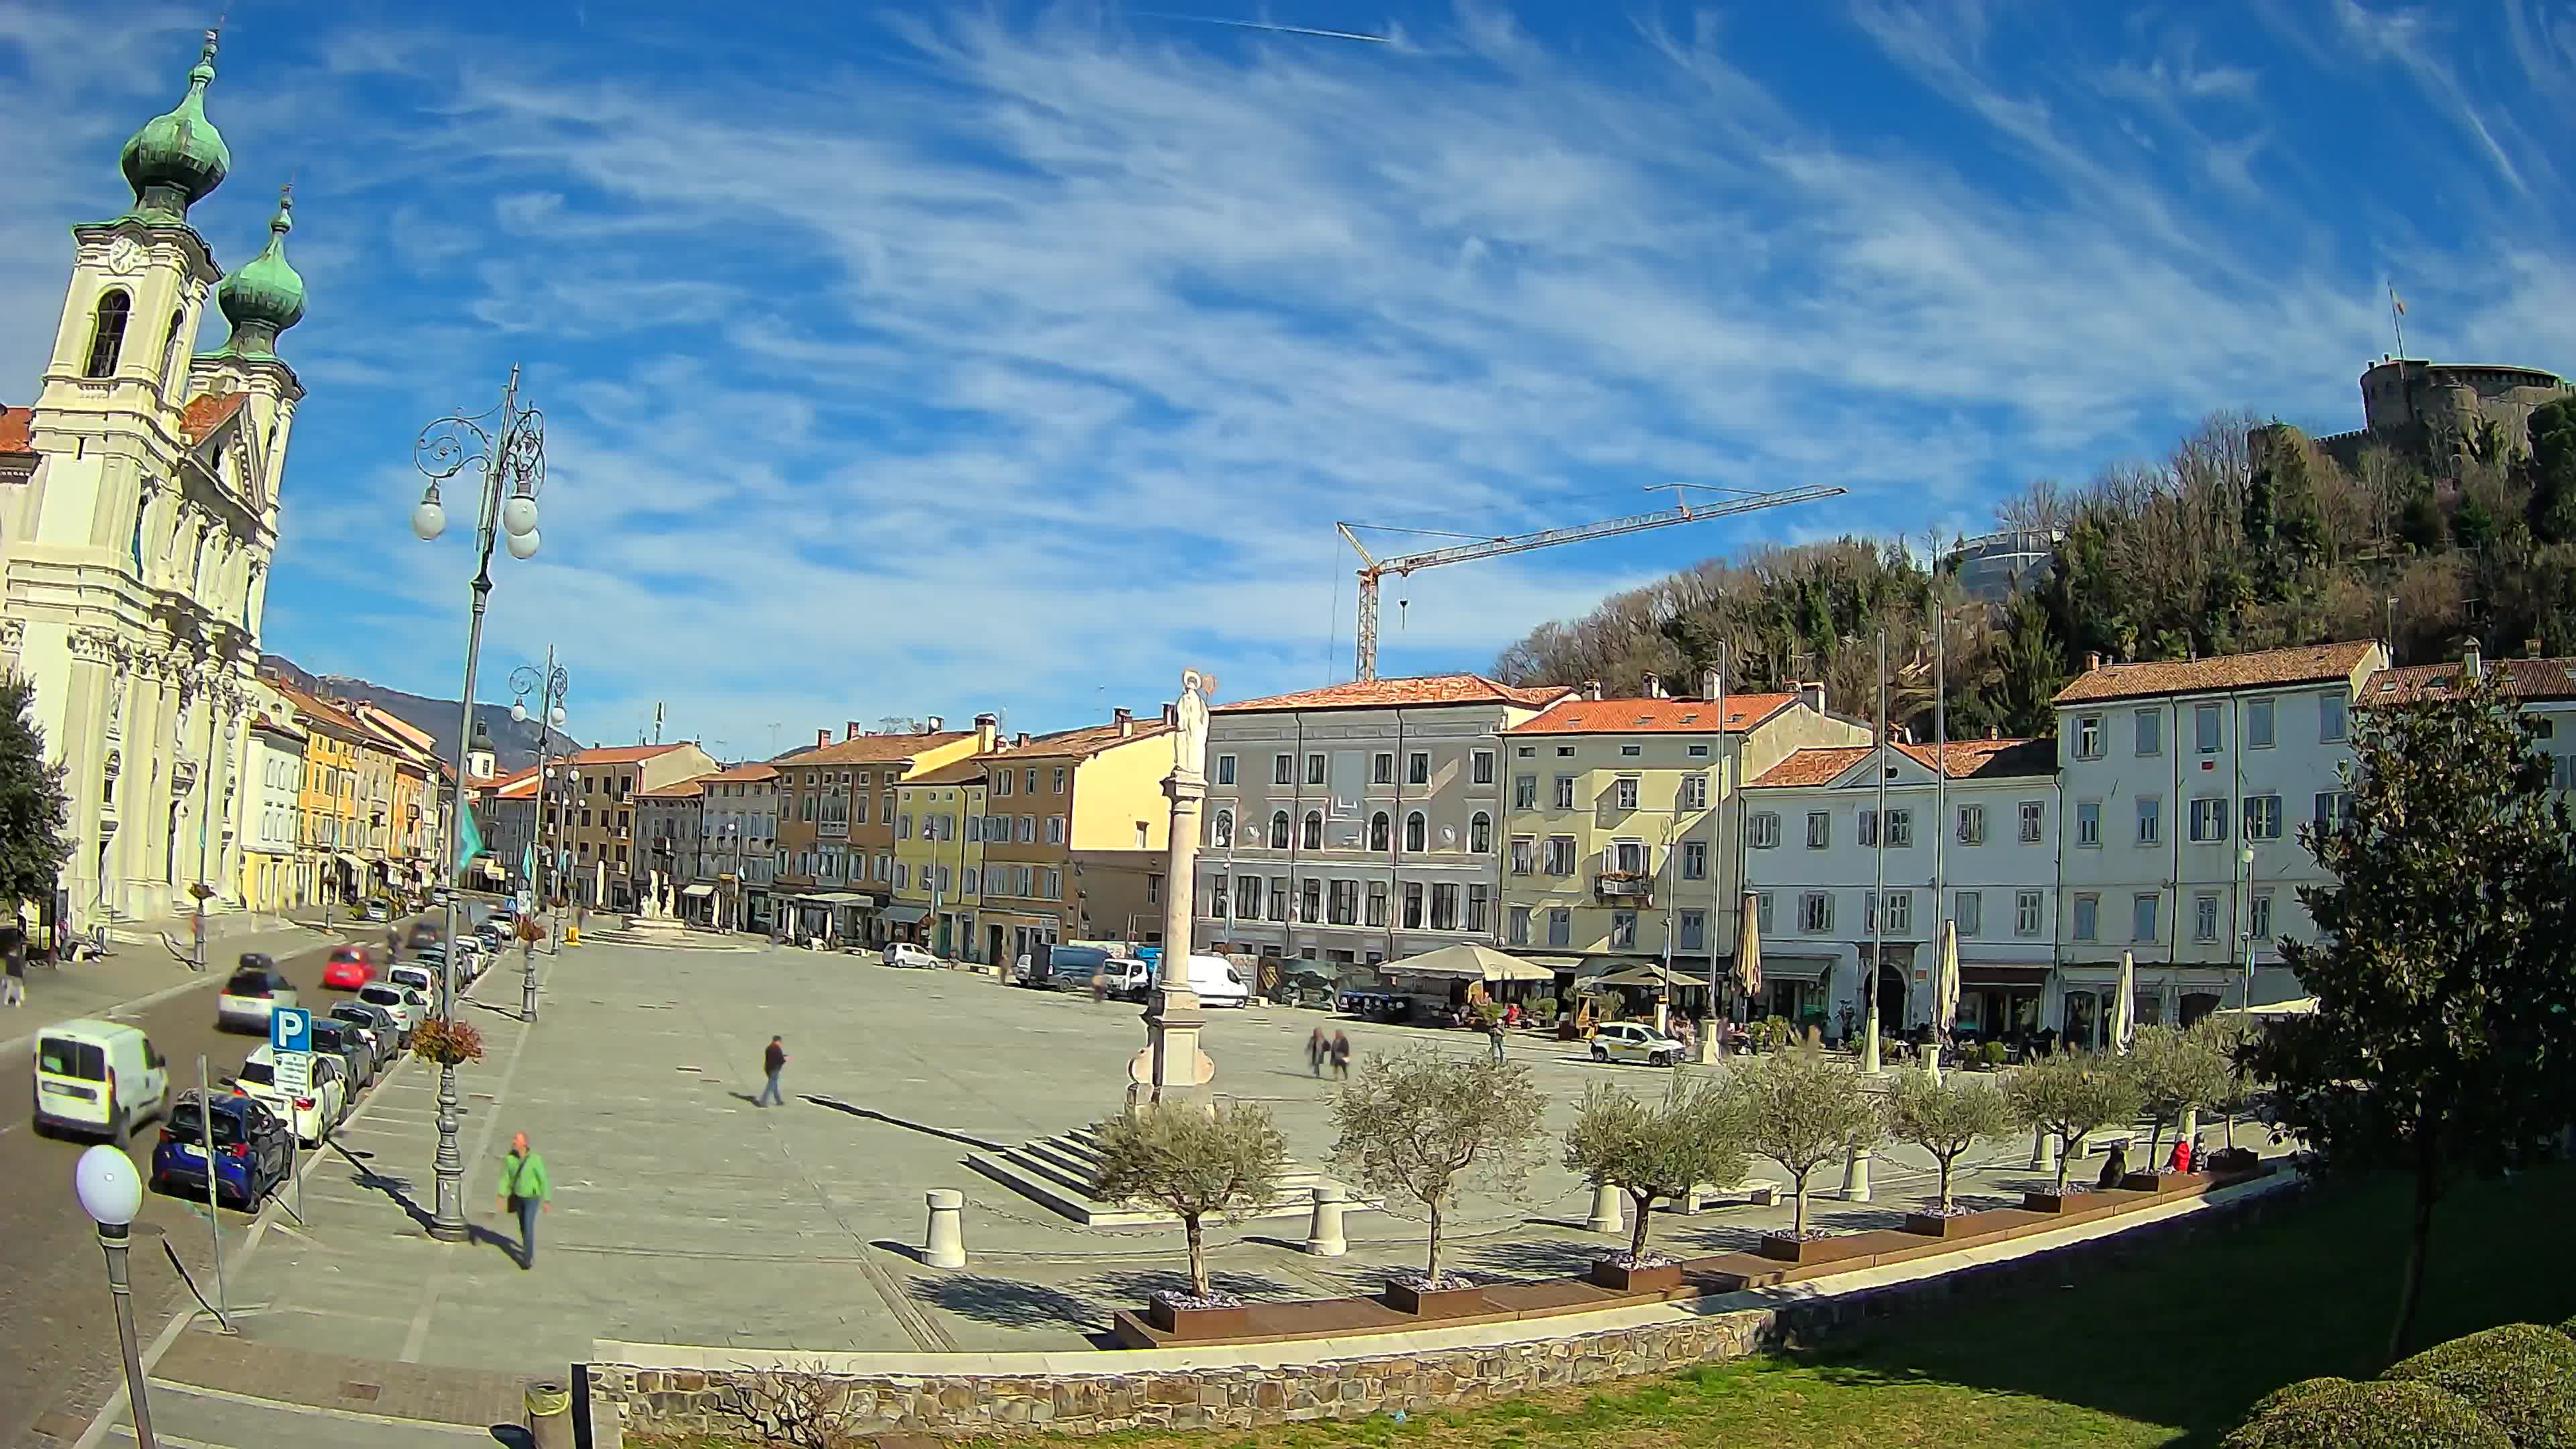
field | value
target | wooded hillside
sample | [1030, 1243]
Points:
[2221, 547]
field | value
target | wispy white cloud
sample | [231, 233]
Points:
[1010, 358]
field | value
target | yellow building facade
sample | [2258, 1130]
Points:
[939, 858]
[329, 801]
[1623, 827]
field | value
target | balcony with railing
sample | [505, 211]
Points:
[1635, 886]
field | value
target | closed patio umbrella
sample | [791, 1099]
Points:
[1748, 950]
[1945, 993]
[2124, 1012]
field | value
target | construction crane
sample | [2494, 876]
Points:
[1476, 546]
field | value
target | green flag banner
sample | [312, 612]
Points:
[470, 845]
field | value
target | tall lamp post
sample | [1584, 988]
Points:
[550, 685]
[506, 450]
[111, 1192]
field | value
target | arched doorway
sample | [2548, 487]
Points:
[1891, 1000]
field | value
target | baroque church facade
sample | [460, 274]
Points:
[137, 547]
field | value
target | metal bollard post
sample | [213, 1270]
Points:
[549, 1406]
[1856, 1176]
[1609, 1210]
[1324, 1232]
[945, 1247]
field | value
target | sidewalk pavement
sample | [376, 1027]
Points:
[132, 977]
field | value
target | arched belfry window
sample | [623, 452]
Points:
[107, 335]
[170, 352]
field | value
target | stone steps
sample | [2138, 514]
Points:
[1057, 1173]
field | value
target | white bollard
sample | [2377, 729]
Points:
[1324, 1231]
[2043, 1151]
[1609, 1211]
[2190, 1126]
[946, 1245]
[1856, 1176]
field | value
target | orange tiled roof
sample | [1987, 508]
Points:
[2307, 664]
[1080, 744]
[622, 754]
[874, 749]
[518, 785]
[206, 412]
[752, 772]
[2521, 679]
[956, 772]
[1652, 716]
[1428, 689]
[320, 708]
[688, 789]
[15, 426]
[1969, 760]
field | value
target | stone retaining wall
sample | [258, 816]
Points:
[667, 1400]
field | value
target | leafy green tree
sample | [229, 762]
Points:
[1695, 1137]
[2444, 964]
[2473, 524]
[1193, 1163]
[2177, 1073]
[2069, 1095]
[1945, 1116]
[2550, 471]
[32, 805]
[1801, 1111]
[1424, 1124]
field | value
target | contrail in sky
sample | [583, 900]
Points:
[1280, 29]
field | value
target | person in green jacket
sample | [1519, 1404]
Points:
[525, 1191]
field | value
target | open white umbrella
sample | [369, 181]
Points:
[1945, 993]
[2124, 1012]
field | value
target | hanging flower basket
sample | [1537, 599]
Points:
[448, 1043]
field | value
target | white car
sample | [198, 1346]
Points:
[418, 978]
[311, 1118]
[407, 1007]
[1630, 1041]
[473, 958]
[904, 953]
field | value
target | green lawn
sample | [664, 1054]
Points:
[2161, 1352]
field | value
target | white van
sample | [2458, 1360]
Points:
[1217, 982]
[101, 1077]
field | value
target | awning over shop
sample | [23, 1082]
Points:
[1646, 973]
[1795, 968]
[1561, 965]
[843, 898]
[350, 863]
[2301, 1006]
[698, 890]
[906, 915]
[1468, 963]
[2003, 973]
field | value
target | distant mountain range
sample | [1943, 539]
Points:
[514, 745]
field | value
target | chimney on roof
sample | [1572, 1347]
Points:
[2092, 660]
[1812, 695]
[1021, 738]
[1708, 685]
[822, 737]
[2471, 662]
[1993, 733]
[1125, 719]
[1654, 686]
[850, 729]
[1171, 715]
[933, 724]
[987, 726]
[1592, 689]
[2530, 648]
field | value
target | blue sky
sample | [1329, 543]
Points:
[950, 357]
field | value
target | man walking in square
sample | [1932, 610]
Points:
[773, 1061]
[525, 1192]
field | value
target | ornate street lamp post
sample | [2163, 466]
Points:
[111, 1192]
[550, 685]
[506, 449]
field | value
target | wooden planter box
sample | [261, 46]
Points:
[1662, 1279]
[1439, 1303]
[1780, 1247]
[1231, 1322]
[2052, 1201]
[1960, 1225]
[2161, 1183]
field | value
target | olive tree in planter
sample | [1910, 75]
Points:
[1696, 1136]
[1945, 1116]
[2070, 1094]
[1801, 1110]
[2229, 1039]
[1424, 1124]
[2178, 1074]
[1193, 1163]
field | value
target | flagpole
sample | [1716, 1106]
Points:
[2397, 318]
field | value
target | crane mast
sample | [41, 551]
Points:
[1373, 569]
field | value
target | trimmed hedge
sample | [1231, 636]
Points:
[2292, 1393]
[2520, 1377]
[2376, 1415]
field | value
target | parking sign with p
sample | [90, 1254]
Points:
[290, 1029]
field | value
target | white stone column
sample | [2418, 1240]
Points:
[1324, 1231]
[1856, 1175]
[944, 1246]
[1609, 1209]
[1172, 1060]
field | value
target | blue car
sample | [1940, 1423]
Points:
[251, 1151]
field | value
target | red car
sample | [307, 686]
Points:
[350, 968]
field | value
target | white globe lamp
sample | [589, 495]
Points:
[111, 1191]
[523, 545]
